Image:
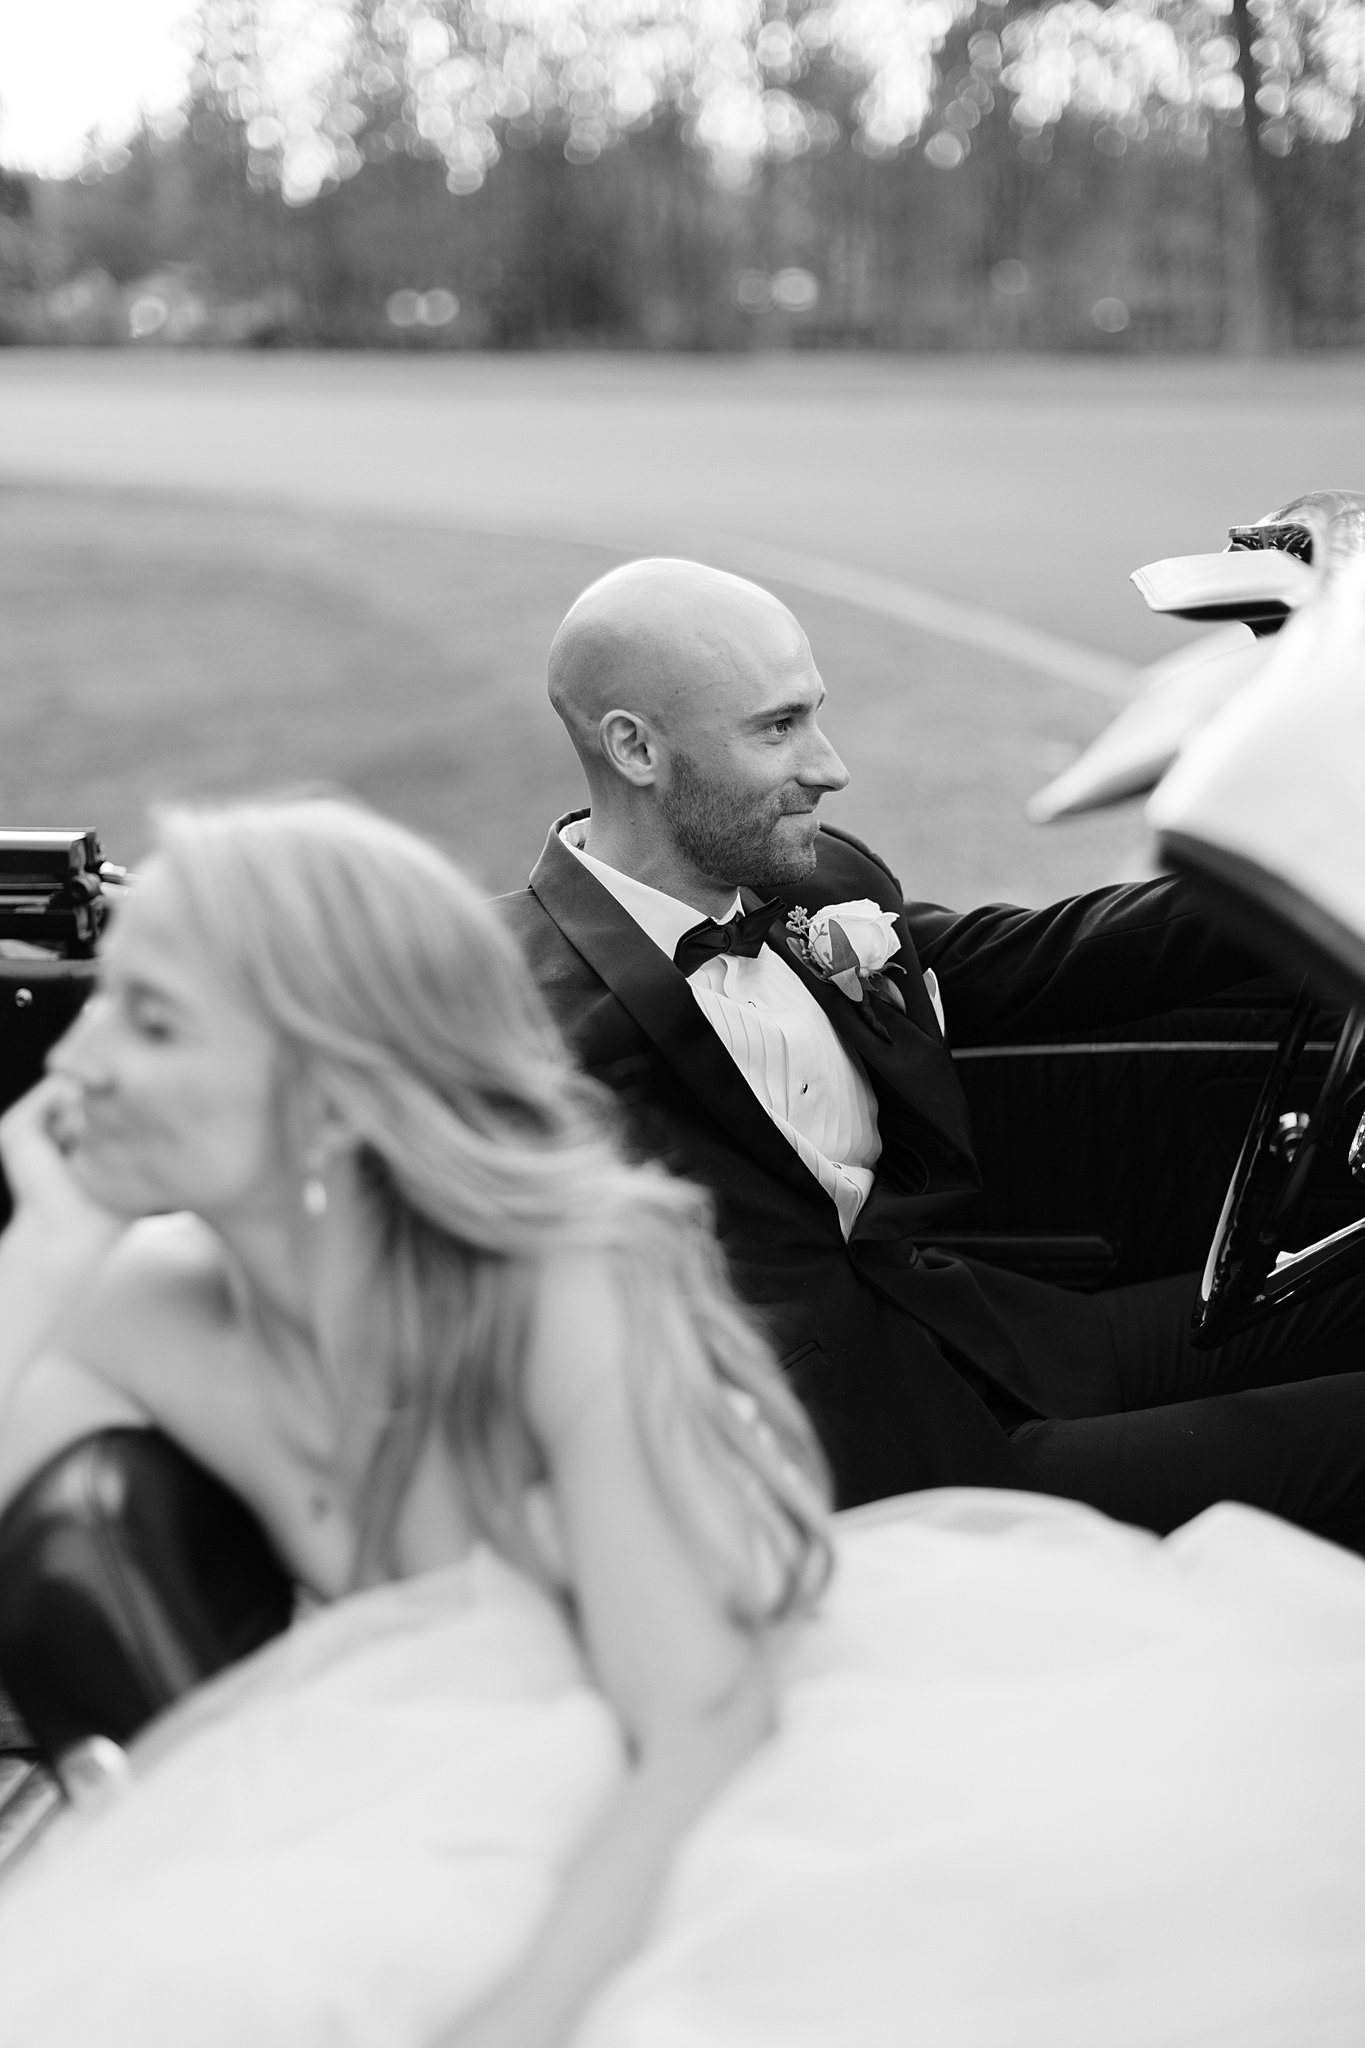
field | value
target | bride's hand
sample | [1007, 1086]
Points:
[37, 1137]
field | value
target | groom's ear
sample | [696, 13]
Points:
[631, 746]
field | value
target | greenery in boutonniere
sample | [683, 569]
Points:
[848, 944]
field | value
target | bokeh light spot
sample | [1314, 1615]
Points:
[796, 290]
[946, 150]
[147, 316]
[753, 291]
[1009, 276]
[1111, 316]
[403, 309]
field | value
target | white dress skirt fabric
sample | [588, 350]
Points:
[1041, 1781]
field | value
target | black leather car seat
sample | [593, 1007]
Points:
[128, 1574]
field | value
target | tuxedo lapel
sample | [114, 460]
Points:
[921, 1112]
[653, 992]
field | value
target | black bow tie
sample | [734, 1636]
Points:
[741, 937]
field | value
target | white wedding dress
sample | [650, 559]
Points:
[1041, 1781]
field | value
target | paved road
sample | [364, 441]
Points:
[1027, 488]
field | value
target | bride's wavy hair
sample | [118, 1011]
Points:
[483, 1152]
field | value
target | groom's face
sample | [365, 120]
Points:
[748, 768]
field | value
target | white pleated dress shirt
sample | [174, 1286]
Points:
[775, 1031]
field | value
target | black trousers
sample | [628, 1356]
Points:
[1275, 1417]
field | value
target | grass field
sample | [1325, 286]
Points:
[1025, 486]
[160, 645]
[223, 571]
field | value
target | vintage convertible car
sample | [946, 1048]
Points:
[1225, 1137]
[1106, 1158]
[1232, 1136]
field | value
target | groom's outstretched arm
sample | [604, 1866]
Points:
[1110, 957]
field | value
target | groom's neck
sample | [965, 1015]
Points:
[653, 859]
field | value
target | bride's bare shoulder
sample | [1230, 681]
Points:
[165, 1276]
[162, 1253]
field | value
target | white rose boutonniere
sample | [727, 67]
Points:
[848, 944]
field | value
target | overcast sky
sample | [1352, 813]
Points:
[69, 66]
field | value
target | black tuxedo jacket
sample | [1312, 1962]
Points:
[902, 1356]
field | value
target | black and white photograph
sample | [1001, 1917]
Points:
[682, 1023]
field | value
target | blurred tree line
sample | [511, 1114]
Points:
[703, 174]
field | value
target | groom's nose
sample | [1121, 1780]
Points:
[821, 767]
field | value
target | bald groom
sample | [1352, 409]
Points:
[662, 926]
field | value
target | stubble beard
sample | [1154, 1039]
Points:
[732, 839]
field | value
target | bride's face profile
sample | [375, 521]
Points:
[179, 1086]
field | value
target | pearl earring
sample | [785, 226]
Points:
[315, 1196]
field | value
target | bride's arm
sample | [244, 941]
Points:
[54, 1259]
[57, 1240]
[693, 1691]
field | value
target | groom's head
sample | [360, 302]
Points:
[692, 699]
